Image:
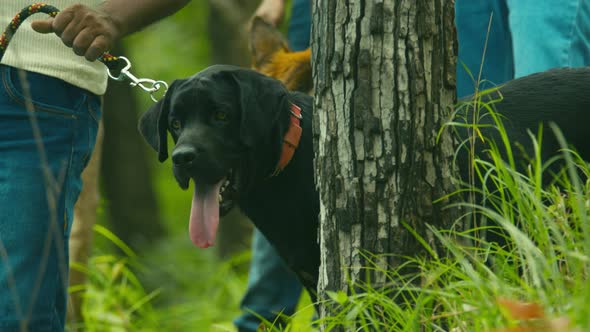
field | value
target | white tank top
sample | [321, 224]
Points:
[45, 53]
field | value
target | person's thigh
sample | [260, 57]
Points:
[549, 34]
[42, 154]
[475, 35]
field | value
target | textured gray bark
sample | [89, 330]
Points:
[384, 79]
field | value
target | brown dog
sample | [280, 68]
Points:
[272, 57]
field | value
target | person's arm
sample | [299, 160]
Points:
[92, 31]
[271, 11]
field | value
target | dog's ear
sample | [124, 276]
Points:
[265, 40]
[153, 125]
[262, 101]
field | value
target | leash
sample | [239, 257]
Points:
[110, 61]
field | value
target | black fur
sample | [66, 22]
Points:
[559, 96]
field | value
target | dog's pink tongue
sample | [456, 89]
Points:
[204, 214]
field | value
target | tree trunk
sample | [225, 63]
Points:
[126, 175]
[228, 38]
[384, 84]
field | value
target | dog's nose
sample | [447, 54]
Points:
[184, 155]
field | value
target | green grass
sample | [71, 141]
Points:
[172, 287]
[168, 288]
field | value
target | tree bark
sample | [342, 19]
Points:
[384, 84]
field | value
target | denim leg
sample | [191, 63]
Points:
[299, 25]
[472, 19]
[272, 287]
[39, 184]
[549, 34]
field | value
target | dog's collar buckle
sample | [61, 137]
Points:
[291, 140]
[296, 111]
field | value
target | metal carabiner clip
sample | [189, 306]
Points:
[146, 84]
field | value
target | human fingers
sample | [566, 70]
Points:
[67, 26]
[43, 26]
[83, 41]
[99, 45]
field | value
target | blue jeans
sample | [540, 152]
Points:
[39, 185]
[525, 37]
[272, 288]
[299, 25]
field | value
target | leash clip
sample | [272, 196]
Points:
[146, 84]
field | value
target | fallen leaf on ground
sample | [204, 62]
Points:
[532, 318]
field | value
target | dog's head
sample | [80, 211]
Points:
[217, 118]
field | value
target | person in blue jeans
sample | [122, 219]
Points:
[272, 288]
[49, 113]
[526, 36]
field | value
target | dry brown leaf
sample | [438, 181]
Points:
[532, 318]
[521, 310]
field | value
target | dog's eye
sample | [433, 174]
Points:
[175, 124]
[220, 116]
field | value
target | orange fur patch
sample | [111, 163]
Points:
[291, 68]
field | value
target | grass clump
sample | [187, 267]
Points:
[536, 209]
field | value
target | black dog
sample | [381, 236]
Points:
[230, 122]
[558, 96]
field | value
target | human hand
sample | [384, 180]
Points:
[271, 11]
[89, 32]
